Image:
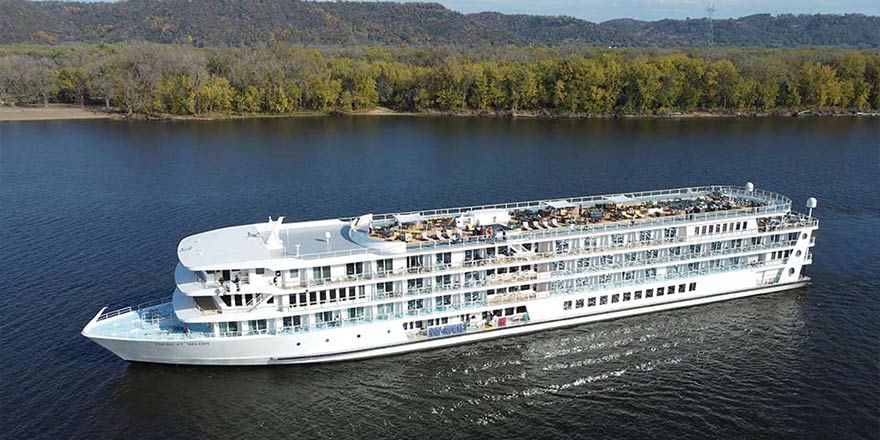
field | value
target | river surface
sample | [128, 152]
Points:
[91, 213]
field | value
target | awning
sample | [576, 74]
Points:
[408, 218]
[560, 204]
[618, 199]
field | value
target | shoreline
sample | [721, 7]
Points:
[53, 112]
[59, 112]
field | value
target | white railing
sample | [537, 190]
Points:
[125, 310]
[774, 203]
[404, 273]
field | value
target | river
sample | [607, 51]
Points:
[91, 213]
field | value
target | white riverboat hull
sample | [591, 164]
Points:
[324, 346]
[378, 285]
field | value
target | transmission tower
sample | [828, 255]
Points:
[710, 11]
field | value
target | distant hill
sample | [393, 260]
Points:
[256, 22]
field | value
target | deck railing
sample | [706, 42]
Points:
[775, 203]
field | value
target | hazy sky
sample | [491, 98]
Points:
[600, 10]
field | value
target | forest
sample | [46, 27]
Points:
[155, 80]
[257, 22]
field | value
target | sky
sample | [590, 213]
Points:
[601, 10]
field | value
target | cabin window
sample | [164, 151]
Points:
[321, 272]
[384, 287]
[637, 294]
[352, 269]
[385, 309]
[415, 304]
[472, 297]
[579, 304]
[260, 271]
[603, 300]
[414, 261]
[355, 313]
[386, 265]
[443, 258]
[257, 325]
[294, 273]
[508, 311]
[615, 298]
[649, 293]
[692, 287]
[591, 302]
[626, 296]
[521, 309]
[227, 299]
[291, 321]
[681, 288]
[228, 327]
[659, 291]
[566, 305]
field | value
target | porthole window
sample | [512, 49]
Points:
[359, 335]
[791, 271]
[326, 340]
[798, 253]
[804, 236]
[297, 344]
[389, 332]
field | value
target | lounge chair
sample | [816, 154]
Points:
[525, 226]
[554, 222]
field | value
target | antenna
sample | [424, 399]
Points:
[710, 11]
[811, 203]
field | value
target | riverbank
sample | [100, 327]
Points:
[64, 112]
[52, 112]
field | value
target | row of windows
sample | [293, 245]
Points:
[509, 311]
[776, 255]
[325, 296]
[627, 296]
[241, 300]
[720, 228]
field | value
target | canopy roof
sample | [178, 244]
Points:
[409, 218]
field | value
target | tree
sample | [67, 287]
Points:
[819, 85]
[642, 87]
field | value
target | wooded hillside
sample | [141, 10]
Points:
[262, 22]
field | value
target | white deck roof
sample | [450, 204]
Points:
[245, 246]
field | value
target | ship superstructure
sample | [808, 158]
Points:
[374, 285]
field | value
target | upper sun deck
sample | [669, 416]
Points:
[266, 244]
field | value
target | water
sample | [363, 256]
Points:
[91, 213]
